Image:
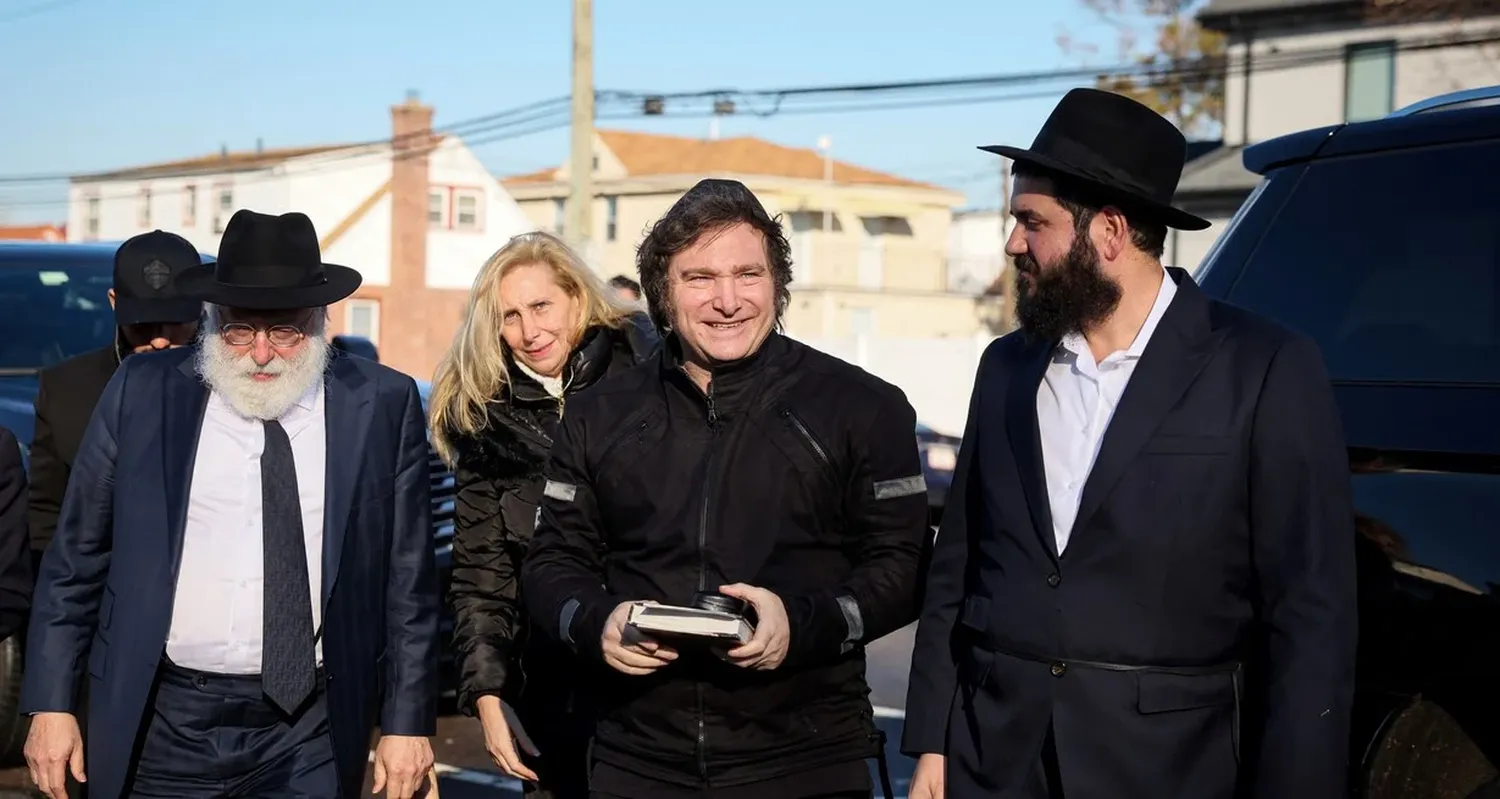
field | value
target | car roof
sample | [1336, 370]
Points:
[33, 251]
[1448, 119]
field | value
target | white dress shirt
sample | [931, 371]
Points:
[1074, 404]
[216, 614]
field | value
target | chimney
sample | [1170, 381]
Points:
[411, 142]
[260, 144]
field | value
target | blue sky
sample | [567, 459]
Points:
[95, 84]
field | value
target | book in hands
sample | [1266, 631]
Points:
[672, 621]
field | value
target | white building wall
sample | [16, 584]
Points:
[329, 187]
[120, 202]
[937, 374]
[454, 256]
[976, 250]
[1300, 93]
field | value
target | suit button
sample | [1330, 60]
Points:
[1053, 579]
[1059, 669]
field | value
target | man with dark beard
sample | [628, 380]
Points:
[246, 540]
[1144, 582]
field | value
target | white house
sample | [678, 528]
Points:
[417, 215]
[1300, 64]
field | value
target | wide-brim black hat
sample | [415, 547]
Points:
[269, 263]
[145, 290]
[1120, 148]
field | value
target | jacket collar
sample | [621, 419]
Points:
[732, 384]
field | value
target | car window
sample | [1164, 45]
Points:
[53, 310]
[1392, 263]
[1436, 528]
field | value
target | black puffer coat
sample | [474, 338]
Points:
[499, 482]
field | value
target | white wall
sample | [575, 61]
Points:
[454, 256]
[329, 187]
[936, 374]
[119, 205]
[976, 250]
[1311, 94]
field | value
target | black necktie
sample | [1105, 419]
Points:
[288, 662]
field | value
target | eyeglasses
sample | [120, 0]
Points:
[239, 334]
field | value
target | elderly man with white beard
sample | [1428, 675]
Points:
[244, 556]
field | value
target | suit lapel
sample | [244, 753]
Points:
[1025, 438]
[185, 403]
[1178, 350]
[348, 409]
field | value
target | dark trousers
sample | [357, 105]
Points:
[215, 736]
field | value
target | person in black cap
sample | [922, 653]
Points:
[1144, 582]
[150, 314]
[244, 560]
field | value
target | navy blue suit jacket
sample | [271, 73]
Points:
[107, 582]
[1216, 526]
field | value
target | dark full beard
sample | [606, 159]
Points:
[1066, 297]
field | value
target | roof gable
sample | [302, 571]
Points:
[240, 161]
[646, 154]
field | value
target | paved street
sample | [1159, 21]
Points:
[465, 771]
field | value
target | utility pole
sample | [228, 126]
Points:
[580, 225]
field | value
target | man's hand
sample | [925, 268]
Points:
[927, 779]
[628, 650]
[53, 747]
[401, 764]
[767, 648]
[499, 740]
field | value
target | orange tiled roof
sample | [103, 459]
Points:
[208, 164]
[33, 232]
[657, 154]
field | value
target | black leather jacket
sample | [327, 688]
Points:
[499, 483]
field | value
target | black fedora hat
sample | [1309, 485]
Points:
[1118, 147]
[269, 263]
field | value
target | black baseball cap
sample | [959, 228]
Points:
[146, 268]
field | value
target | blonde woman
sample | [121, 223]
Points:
[539, 327]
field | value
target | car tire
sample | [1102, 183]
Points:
[13, 725]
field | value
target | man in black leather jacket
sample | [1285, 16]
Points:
[743, 462]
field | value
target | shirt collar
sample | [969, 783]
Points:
[1076, 344]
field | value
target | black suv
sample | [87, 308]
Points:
[1381, 240]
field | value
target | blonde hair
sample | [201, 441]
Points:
[473, 373]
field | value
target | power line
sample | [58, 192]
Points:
[552, 114]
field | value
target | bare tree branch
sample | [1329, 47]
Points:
[1184, 64]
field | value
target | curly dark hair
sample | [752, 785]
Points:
[710, 206]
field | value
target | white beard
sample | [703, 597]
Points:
[233, 376]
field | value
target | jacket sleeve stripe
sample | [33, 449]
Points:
[901, 487]
[562, 492]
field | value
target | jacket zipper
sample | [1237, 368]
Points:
[708, 465]
[797, 425]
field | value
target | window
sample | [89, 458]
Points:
[437, 208]
[91, 217]
[1393, 289]
[466, 210]
[1369, 80]
[559, 215]
[362, 318]
[189, 205]
[224, 209]
[611, 217]
[143, 208]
